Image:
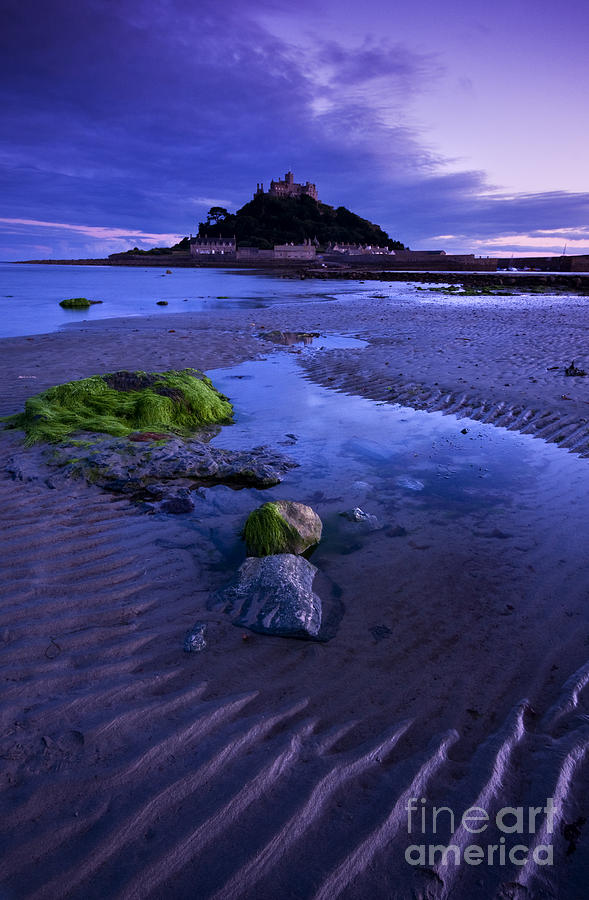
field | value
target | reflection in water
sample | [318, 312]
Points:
[289, 338]
[31, 293]
[393, 462]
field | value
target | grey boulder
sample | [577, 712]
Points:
[304, 520]
[165, 469]
[274, 595]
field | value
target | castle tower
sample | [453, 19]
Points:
[290, 188]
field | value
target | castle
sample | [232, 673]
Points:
[226, 247]
[289, 188]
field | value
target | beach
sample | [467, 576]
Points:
[270, 767]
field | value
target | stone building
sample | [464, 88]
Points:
[358, 249]
[306, 250]
[254, 254]
[281, 252]
[223, 246]
[289, 188]
[420, 254]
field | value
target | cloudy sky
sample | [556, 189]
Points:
[457, 125]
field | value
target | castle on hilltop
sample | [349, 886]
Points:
[289, 188]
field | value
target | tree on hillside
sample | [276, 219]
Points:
[216, 214]
[267, 220]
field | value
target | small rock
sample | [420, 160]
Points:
[358, 515]
[573, 371]
[194, 640]
[291, 439]
[380, 632]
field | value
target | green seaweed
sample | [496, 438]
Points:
[75, 303]
[459, 290]
[266, 532]
[123, 402]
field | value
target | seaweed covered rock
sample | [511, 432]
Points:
[124, 402]
[274, 595]
[282, 526]
[78, 303]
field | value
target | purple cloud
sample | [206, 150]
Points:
[135, 115]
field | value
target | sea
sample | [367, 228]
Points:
[30, 294]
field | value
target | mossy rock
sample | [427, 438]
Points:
[122, 403]
[78, 303]
[283, 526]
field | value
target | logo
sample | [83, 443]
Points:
[523, 832]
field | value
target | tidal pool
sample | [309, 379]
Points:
[428, 478]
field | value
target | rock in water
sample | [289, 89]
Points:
[281, 526]
[274, 595]
[573, 371]
[358, 515]
[165, 471]
[304, 520]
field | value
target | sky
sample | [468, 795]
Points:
[460, 126]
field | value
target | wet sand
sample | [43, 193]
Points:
[270, 768]
[496, 362]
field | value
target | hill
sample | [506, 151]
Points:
[267, 220]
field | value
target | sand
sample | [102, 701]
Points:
[270, 768]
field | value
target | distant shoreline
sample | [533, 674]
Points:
[573, 282]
